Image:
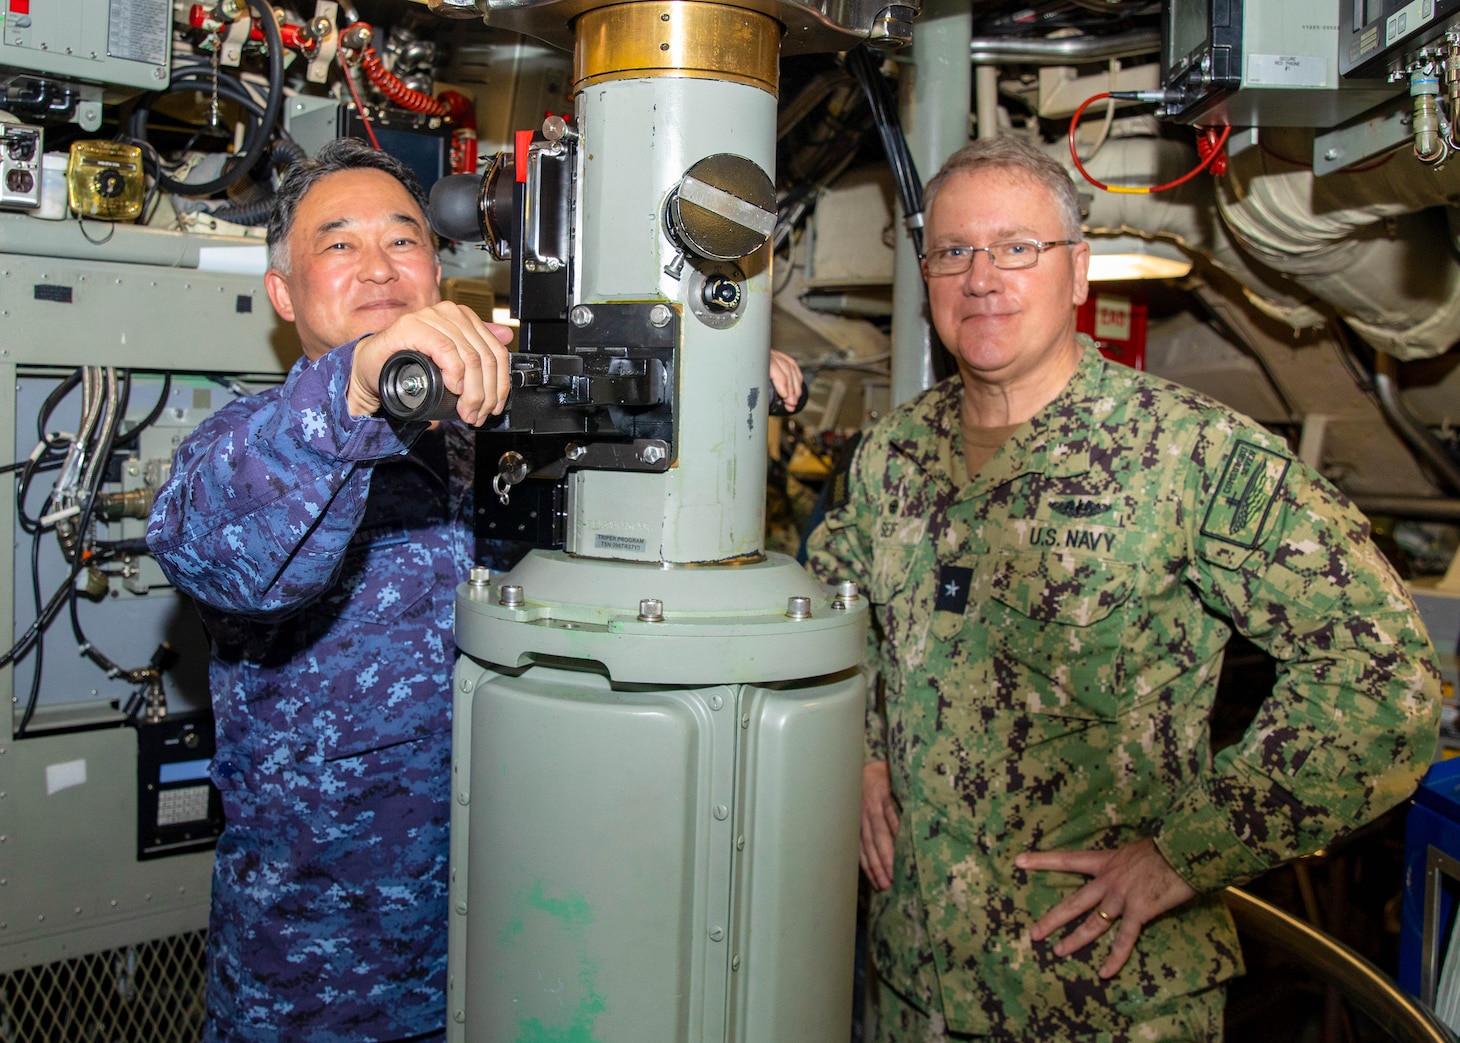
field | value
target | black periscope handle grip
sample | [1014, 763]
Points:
[778, 405]
[411, 388]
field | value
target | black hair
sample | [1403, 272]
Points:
[335, 157]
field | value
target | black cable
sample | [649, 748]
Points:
[148, 420]
[864, 68]
[40, 647]
[256, 134]
[282, 153]
[45, 616]
[22, 487]
[109, 443]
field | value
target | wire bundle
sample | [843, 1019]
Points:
[863, 67]
[70, 508]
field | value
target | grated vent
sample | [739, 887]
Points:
[148, 993]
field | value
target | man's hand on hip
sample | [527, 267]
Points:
[1128, 888]
[470, 353]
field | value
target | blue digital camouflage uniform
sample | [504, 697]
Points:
[324, 552]
[1050, 635]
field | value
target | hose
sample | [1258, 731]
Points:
[282, 154]
[255, 135]
[861, 65]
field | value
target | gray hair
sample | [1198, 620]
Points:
[335, 157]
[1018, 157]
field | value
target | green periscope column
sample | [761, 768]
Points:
[658, 732]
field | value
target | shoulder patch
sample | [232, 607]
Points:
[1251, 477]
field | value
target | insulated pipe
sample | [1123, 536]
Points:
[1066, 50]
[986, 101]
[1359, 242]
[1184, 216]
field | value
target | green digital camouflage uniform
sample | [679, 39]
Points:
[1050, 635]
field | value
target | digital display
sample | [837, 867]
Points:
[182, 771]
[1189, 30]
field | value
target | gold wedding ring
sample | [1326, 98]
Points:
[1104, 915]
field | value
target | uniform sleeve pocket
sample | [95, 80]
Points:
[1057, 624]
[378, 583]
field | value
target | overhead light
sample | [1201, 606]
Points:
[1116, 258]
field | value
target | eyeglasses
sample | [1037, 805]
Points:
[1009, 255]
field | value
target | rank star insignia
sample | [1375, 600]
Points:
[953, 583]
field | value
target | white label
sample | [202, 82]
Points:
[139, 30]
[1287, 70]
[1112, 318]
[629, 544]
[64, 776]
[240, 260]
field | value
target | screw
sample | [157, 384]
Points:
[511, 596]
[581, 315]
[651, 610]
[659, 316]
[651, 454]
[479, 576]
[798, 607]
[574, 451]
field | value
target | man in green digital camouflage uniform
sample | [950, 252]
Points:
[1057, 549]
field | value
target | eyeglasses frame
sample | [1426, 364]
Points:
[1039, 247]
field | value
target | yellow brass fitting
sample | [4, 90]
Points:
[681, 38]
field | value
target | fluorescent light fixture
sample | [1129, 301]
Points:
[1116, 258]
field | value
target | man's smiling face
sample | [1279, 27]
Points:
[359, 257]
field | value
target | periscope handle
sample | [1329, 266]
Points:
[411, 388]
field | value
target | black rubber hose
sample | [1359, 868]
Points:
[283, 154]
[863, 67]
[256, 135]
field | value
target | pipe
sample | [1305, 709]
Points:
[1425, 507]
[1386, 386]
[1183, 216]
[1366, 987]
[1359, 240]
[986, 101]
[1362, 243]
[935, 95]
[1067, 50]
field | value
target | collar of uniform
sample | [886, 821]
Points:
[1054, 442]
[929, 438]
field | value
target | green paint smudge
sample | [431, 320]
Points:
[575, 915]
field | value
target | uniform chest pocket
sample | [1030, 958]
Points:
[892, 565]
[1056, 632]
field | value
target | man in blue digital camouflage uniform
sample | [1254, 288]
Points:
[324, 546]
[1057, 549]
